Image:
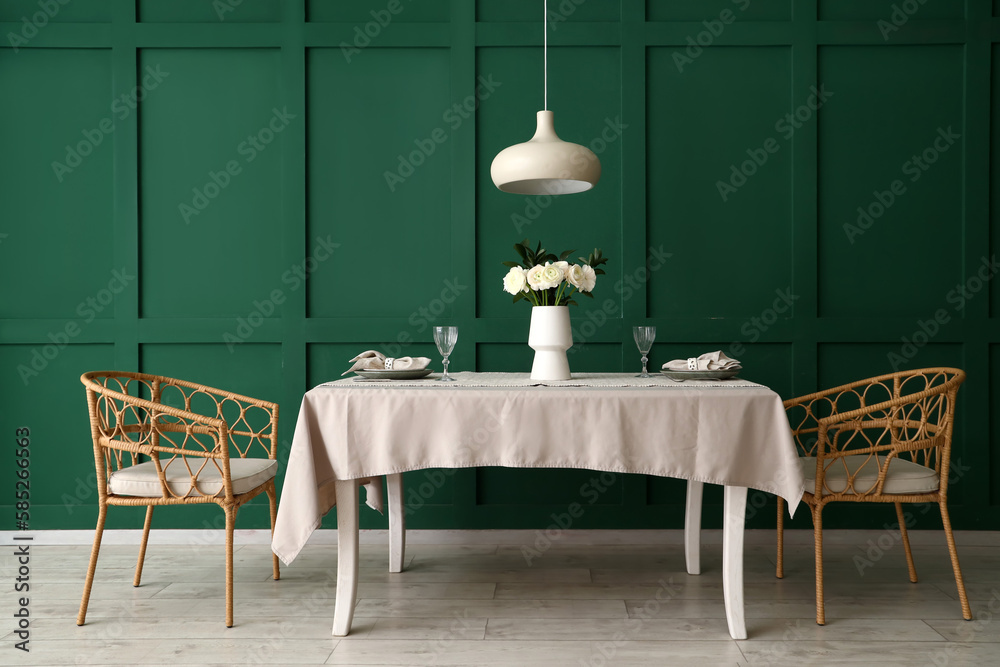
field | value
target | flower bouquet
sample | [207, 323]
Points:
[543, 279]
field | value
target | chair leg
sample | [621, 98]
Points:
[230, 525]
[780, 569]
[81, 617]
[142, 545]
[272, 498]
[817, 516]
[906, 543]
[959, 583]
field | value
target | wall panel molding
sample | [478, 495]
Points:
[672, 94]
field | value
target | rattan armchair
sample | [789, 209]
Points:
[886, 439]
[196, 440]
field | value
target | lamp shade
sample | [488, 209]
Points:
[546, 164]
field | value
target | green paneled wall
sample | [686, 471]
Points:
[248, 193]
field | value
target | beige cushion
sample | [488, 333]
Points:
[141, 480]
[904, 476]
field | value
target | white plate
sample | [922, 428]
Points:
[381, 374]
[702, 375]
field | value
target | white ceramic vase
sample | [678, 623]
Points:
[550, 336]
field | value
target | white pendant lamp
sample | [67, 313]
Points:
[545, 165]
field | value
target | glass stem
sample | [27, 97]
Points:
[446, 366]
[644, 360]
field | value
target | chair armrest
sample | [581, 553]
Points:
[160, 408]
[222, 393]
[190, 422]
[852, 415]
[149, 449]
[238, 427]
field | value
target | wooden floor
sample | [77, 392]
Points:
[482, 604]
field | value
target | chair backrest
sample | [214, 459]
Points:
[175, 423]
[908, 414]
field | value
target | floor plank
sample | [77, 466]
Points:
[489, 604]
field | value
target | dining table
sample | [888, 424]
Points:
[355, 431]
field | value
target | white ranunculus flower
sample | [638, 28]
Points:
[564, 266]
[588, 280]
[515, 281]
[574, 275]
[533, 275]
[550, 276]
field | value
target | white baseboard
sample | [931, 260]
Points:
[569, 537]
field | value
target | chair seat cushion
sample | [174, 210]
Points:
[141, 479]
[904, 476]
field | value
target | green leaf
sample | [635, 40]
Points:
[571, 302]
[520, 251]
[586, 294]
[519, 296]
[599, 272]
[512, 265]
[562, 257]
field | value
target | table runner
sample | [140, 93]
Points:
[736, 434]
[467, 379]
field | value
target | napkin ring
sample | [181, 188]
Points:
[692, 363]
[388, 363]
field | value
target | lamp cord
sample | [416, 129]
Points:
[545, 49]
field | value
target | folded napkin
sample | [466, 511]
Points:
[710, 361]
[372, 360]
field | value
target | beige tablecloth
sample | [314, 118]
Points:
[732, 434]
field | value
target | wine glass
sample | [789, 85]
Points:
[445, 339]
[644, 337]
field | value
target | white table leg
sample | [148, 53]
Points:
[347, 556]
[692, 527]
[397, 522]
[732, 559]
